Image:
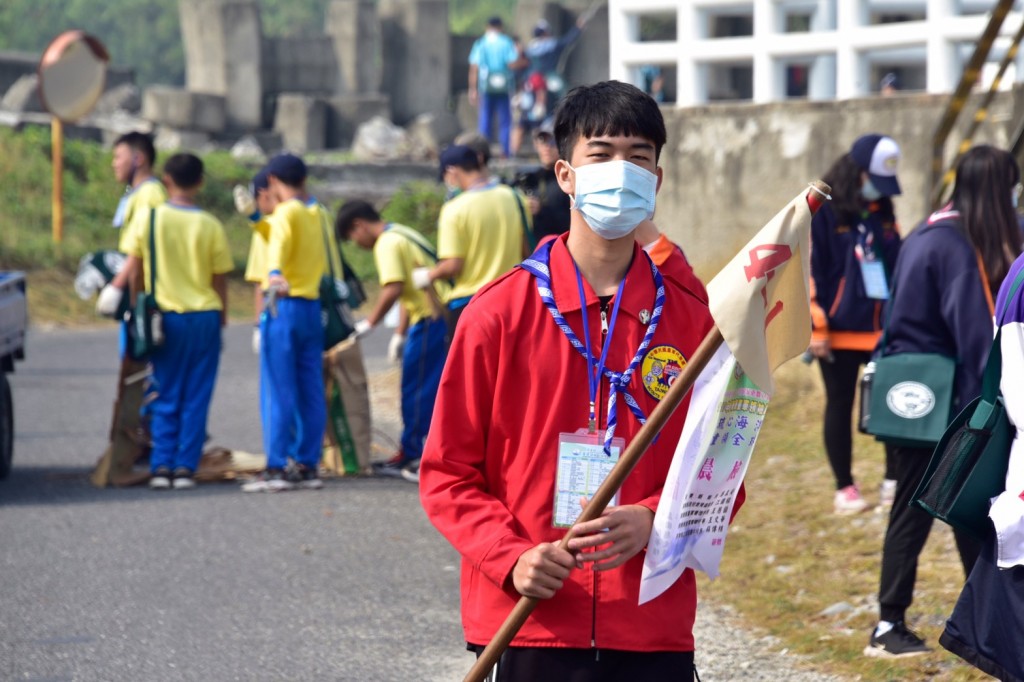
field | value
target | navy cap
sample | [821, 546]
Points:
[879, 156]
[547, 126]
[542, 28]
[287, 168]
[260, 182]
[457, 155]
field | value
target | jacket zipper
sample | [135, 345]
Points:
[600, 384]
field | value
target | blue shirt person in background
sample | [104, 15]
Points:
[491, 62]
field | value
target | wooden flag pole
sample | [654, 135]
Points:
[617, 476]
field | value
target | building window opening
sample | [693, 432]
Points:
[730, 82]
[656, 28]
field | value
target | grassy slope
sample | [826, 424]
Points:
[90, 196]
[788, 558]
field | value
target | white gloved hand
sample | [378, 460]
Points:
[421, 278]
[396, 346]
[244, 202]
[256, 340]
[109, 301]
[363, 327]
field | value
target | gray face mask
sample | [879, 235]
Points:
[869, 191]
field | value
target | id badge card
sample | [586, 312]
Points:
[582, 468]
[873, 274]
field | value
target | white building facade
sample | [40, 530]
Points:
[772, 50]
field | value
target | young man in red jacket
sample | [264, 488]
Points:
[521, 403]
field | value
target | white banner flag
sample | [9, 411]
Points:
[726, 414]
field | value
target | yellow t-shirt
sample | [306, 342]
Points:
[147, 195]
[484, 227]
[256, 265]
[191, 248]
[296, 246]
[396, 254]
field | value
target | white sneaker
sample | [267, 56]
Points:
[268, 482]
[160, 480]
[887, 492]
[848, 501]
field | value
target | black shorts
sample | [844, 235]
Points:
[551, 664]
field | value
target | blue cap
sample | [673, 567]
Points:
[457, 155]
[879, 156]
[287, 168]
[260, 182]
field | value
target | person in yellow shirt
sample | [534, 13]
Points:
[256, 204]
[397, 252]
[291, 334]
[133, 159]
[190, 253]
[482, 233]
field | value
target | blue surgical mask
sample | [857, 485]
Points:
[869, 191]
[614, 196]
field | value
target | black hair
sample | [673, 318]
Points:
[140, 142]
[185, 170]
[478, 143]
[608, 108]
[351, 211]
[495, 22]
[985, 180]
[844, 177]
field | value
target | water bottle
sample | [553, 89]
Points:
[864, 418]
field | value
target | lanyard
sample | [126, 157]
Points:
[538, 266]
[596, 371]
[864, 248]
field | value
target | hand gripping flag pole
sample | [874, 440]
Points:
[815, 197]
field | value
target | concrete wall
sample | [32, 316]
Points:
[729, 168]
[304, 64]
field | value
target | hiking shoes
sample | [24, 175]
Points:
[898, 642]
[270, 481]
[848, 501]
[160, 479]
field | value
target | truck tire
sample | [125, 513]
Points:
[6, 426]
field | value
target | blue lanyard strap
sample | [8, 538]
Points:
[538, 266]
[595, 371]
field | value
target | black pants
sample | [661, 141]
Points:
[907, 532]
[840, 377]
[548, 664]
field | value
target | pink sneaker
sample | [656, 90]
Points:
[848, 501]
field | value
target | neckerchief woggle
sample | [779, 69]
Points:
[538, 265]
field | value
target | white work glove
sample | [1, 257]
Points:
[396, 346]
[245, 203]
[109, 301]
[421, 278]
[363, 328]
[256, 340]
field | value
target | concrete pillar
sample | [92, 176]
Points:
[942, 62]
[416, 64]
[302, 122]
[767, 87]
[691, 77]
[848, 61]
[223, 55]
[355, 29]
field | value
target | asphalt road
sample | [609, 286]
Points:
[347, 583]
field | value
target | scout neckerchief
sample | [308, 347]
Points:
[538, 265]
